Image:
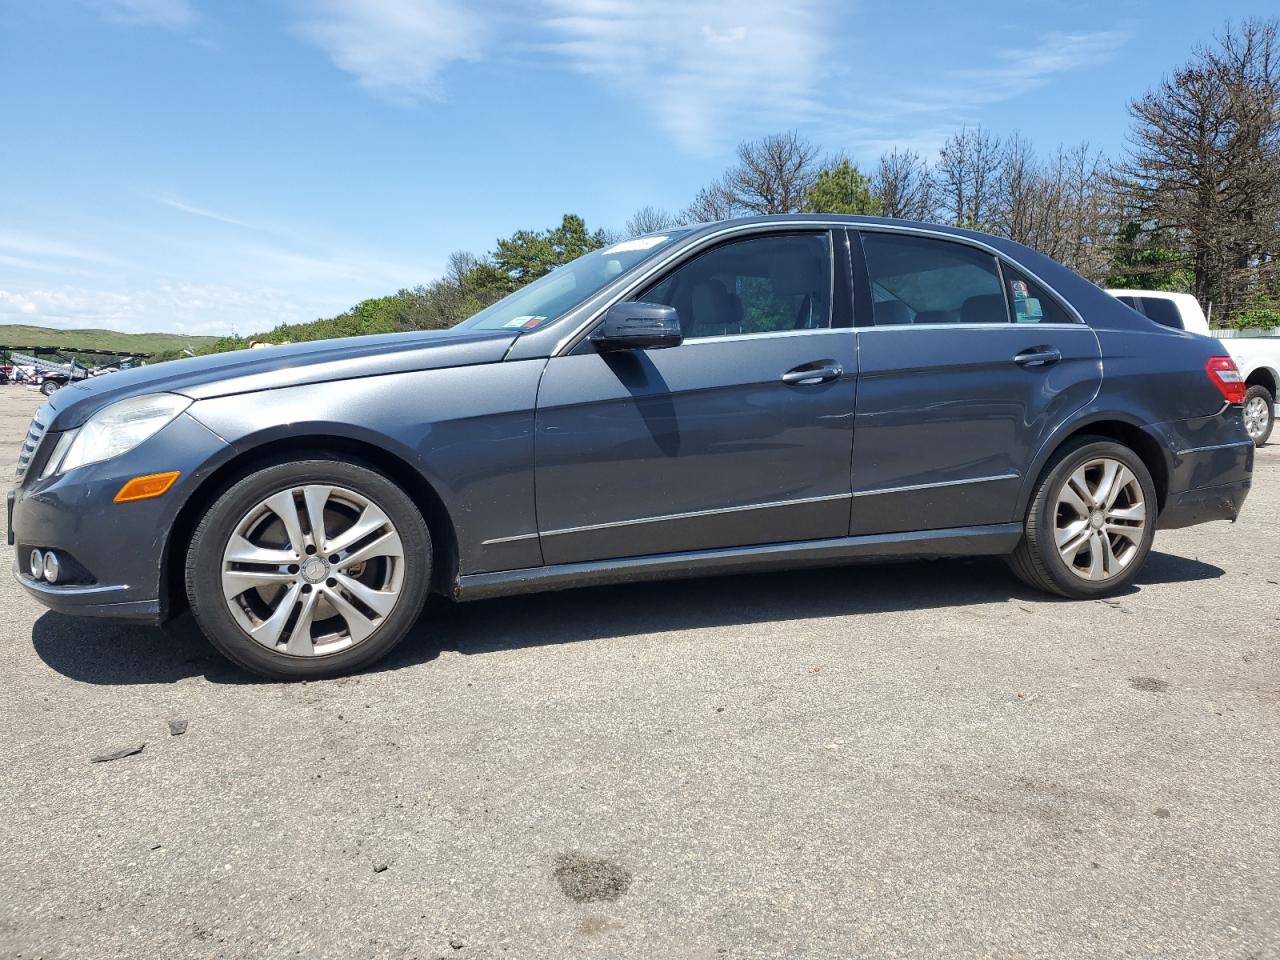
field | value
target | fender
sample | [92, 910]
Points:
[1078, 422]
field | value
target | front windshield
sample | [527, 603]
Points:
[552, 295]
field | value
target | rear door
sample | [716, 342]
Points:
[741, 435]
[966, 367]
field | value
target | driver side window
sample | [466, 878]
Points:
[760, 285]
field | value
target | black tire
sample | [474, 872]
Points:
[1255, 393]
[204, 568]
[49, 387]
[1037, 562]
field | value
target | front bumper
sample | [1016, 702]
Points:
[122, 548]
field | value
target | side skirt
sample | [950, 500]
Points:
[990, 540]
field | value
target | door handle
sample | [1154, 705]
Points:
[819, 372]
[1038, 357]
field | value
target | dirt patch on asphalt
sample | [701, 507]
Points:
[588, 880]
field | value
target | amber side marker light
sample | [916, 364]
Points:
[148, 487]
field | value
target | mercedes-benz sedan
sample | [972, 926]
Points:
[769, 392]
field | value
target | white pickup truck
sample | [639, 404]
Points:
[1258, 358]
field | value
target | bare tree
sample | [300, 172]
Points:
[773, 174]
[713, 202]
[903, 186]
[1203, 160]
[647, 219]
[966, 176]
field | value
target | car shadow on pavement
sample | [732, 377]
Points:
[101, 652]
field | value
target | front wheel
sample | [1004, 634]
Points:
[309, 569]
[49, 387]
[1259, 414]
[1091, 521]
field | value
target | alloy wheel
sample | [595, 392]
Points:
[313, 570]
[1100, 519]
[1256, 416]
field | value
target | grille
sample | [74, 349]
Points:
[29, 446]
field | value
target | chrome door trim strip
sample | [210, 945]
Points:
[1215, 446]
[693, 514]
[515, 539]
[933, 486]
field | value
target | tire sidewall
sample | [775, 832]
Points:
[1045, 505]
[204, 567]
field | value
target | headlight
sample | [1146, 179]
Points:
[114, 430]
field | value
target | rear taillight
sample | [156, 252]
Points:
[1222, 371]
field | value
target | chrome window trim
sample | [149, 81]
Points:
[694, 514]
[673, 258]
[932, 486]
[971, 326]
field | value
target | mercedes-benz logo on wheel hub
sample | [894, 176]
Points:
[315, 570]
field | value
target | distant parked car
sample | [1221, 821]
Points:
[1258, 358]
[747, 395]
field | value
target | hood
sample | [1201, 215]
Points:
[271, 368]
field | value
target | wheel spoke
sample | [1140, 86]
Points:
[1110, 563]
[1076, 495]
[1097, 560]
[236, 582]
[284, 507]
[1102, 493]
[316, 497]
[1136, 513]
[268, 631]
[240, 550]
[300, 643]
[358, 625]
[387, 545]
[1122, 479]
[1071, 549]
[379, 601]
[1071, 532]
[371, 520]
[1133, 534]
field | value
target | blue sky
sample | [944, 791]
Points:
[210, 165]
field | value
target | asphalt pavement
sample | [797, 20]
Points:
[905, 760]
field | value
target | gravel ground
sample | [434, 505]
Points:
[912, 760]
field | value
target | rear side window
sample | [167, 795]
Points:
[1163, 312]
[919, 280]
[1029, 302]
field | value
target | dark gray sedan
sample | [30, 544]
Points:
[759, 393]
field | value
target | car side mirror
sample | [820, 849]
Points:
[638, 326]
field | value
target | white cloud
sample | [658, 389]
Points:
[181, 205]
[396, 48]
[708, 70]
[177, 15]
[27, 249]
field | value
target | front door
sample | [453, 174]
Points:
[720, 442]
[965, 372]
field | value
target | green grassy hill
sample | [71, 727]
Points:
[18, 335]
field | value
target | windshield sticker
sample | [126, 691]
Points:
[639, 243]
[525, 322]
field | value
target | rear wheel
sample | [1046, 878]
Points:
[309, 569]
[1259, 414]
[1091, 521]
[49, 387]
